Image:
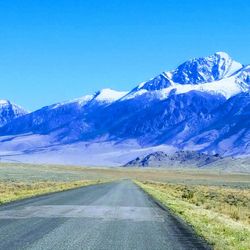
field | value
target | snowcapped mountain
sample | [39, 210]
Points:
[104, 96]
[218, 74]
[9, 111]
[108, 95]
[202, 105]
[208, 69]
[50, 118]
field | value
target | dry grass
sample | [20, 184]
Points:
[31, 172]
[19, 181]
[220, 215]
[23, 180]
[11, 191]
[215, 203]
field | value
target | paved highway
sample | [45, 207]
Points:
[117, 215]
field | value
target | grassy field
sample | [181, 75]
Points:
[31, 173]
[220, 215]
[215, 203]
[19, 181]
[11, 191]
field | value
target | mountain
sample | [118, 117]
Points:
[50, 118]
[229, 129]
[9, 111]
[203, 105]
[217, 74]
[180, 159]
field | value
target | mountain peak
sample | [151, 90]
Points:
[222, 54]
[4, 102]
[206, 69]
[81, 101]
[9, 111]
[216, 73]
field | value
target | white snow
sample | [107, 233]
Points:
[9, 111]
[4, 102]
[134, 94]
[45, 148]
[109, 95]
[222, 54]
[227, 87]
[80, 101]
[141, 85]
[235, 66]
[229, 63]
[105, 95]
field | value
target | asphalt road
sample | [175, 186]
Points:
[116, 215]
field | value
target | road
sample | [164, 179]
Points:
[117, 215]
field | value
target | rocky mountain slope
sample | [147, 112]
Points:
[178, 159]
[9, 111]
[203, 105]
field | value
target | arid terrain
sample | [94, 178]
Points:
[215, 203]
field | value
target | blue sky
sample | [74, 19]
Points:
[57, 50]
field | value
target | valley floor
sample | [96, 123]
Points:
[214, 202]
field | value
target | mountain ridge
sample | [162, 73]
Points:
[179, 159]
[202, 105]
[10, 111]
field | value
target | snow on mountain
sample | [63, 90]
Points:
[109, 95]
[218, 74]
[243, 79]
[9, 111]
[56, 116]
[226, 87]
[202, 105]
[104, 96]
[77, 101]
[207, 69]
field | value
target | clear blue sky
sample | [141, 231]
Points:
[57, 50]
